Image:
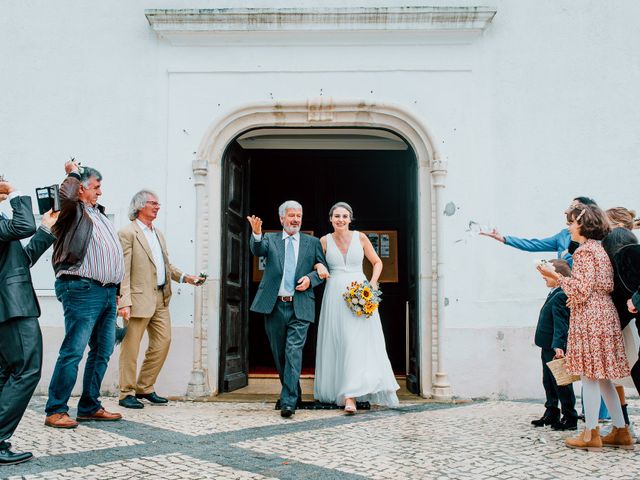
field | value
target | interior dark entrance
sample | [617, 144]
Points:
[380, 185]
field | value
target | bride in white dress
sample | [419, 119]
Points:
[351, 357]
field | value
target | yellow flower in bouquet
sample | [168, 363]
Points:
[362, 299]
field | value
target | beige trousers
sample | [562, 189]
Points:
[158, 327]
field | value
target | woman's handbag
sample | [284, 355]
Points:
[560, 373]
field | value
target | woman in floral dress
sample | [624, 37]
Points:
[595, 348]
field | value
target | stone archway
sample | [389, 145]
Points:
[320, 112]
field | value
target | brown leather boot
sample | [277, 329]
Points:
[587, 440]
[60, 420]
[619, 438]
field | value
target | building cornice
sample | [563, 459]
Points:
[243, 25]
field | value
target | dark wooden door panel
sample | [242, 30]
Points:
[234, 362]
[235, 260]
[413, 364]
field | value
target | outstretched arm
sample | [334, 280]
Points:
[549, 244]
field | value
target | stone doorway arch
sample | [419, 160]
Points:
[321, 112]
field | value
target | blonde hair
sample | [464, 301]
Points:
[621, 217]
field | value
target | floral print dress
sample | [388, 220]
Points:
[595, 348]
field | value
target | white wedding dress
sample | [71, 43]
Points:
[351, 357]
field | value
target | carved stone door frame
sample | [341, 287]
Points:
[322, 112]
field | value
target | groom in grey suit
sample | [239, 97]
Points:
[285, 295]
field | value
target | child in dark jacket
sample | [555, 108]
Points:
[551, 337]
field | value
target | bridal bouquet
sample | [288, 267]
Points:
[362, 299]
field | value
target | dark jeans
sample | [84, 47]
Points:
[553, 392]
[287, 335]
[20, 367]
[89, 319]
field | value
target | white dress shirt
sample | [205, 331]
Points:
[296, 248]
[156, 251]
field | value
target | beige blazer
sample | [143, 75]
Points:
[138, 288]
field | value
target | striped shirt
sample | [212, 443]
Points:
[104, 260]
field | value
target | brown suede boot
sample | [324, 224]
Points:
[619, 438]
[586, 440]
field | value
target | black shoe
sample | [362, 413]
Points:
[153, 397]
[7, 457]
[130, 402]
[299, 406]
[286, 412]
[567, 423]
[549, 418]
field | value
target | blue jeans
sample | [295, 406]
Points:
[89, 319]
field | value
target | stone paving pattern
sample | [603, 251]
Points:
[482, 440]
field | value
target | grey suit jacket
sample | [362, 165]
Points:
[17, 296]
[271, 247]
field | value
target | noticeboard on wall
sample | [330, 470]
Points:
[258, 263]
[385, 243]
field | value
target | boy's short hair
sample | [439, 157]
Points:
[561, 266]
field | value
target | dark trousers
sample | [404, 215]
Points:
[635, 368]
[553, 392]
[635, 373]
[89, 319]
[287, 335]
[20, 368]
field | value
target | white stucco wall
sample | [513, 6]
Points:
[538, 110]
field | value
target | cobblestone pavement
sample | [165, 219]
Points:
[482, 440]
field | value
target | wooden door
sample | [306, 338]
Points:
[234, 318]
[413, 346]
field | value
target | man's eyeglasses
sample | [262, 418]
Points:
[153, 204]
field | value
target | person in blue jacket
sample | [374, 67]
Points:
[560, 243]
